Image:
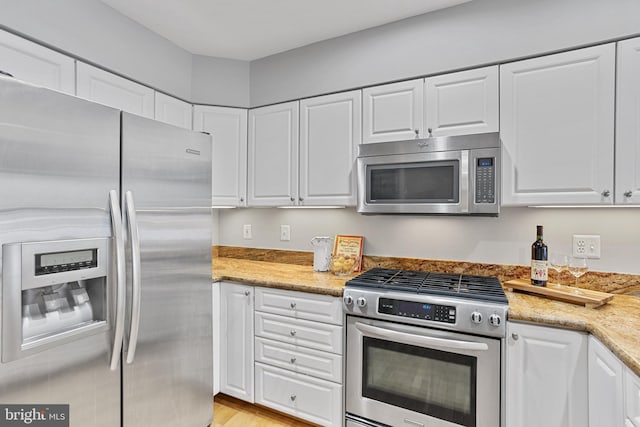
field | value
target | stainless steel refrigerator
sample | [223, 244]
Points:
[105, 237]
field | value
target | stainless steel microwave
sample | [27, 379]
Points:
[453, 175]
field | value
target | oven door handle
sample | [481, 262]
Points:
[420, 340]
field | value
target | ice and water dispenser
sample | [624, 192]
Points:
[53, 292]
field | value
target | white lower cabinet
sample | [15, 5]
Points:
[215, 302]
[546, 382]
[605, 386]
[631, 384]
[298, 354]
[300, 395]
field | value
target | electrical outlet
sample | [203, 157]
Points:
[285, 233]
[246, 232]
[586, 246]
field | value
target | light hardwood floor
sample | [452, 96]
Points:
[231, 412]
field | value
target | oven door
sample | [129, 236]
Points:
[404, 375]
[435, 183]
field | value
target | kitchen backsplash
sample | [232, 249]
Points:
[600, 281]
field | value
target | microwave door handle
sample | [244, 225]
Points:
[420, 340]
[134, 237]
[116, 224]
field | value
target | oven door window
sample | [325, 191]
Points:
[426, 182]
[433, 382]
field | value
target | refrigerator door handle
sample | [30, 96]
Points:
[116, 223]
[136, 290]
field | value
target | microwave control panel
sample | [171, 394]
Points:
[417, 310]
[485, 180]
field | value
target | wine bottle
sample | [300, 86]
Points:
[539, 263]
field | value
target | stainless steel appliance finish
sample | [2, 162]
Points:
[454, 175]
[424, 349]
[61, 173]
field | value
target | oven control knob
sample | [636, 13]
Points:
[348, 300]
[476, 317]
[361, 302]
[495, 320]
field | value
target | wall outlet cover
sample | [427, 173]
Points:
[586, 246]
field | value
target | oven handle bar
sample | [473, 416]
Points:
[420, 340]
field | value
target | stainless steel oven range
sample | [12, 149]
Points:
[424, 349]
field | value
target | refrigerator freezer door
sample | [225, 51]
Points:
[168, 172]
[59, 158]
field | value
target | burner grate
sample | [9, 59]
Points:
[446, 284]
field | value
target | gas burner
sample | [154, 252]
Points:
[482, 288]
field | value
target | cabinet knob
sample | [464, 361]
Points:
[293, 305]
[241, 199]
[293, 397]
[293, 333]
[606, 193]
[300, 199]
[628, 193]
[515, 336]
[430, 132]
[292, 199]
[247, 293]
[417, 131]
[293, 360]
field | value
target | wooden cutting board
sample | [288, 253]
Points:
[585, 297]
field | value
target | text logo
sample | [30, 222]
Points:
[33, 415]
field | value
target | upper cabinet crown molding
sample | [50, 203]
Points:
[36, 64]
[627, 123]
[330, 131]
[273, 155]
[462, 103]
[114, 91]
[392, 112]
[173, 111]
[557, 128]
[228, 129]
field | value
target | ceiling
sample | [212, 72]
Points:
[252, 29]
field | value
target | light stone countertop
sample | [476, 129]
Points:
[616, 324]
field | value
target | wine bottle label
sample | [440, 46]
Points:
[539, 270]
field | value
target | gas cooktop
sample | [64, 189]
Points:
[479, 288]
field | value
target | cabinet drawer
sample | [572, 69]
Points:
[301, 305]
[302, 360]
[302, 396]
[319, 336]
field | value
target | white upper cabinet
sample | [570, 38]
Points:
[462, 103]
[392, 112]
[605, 386]
[557, 128]
[627, 128]
[36, 64]
[546, 381]
[228, 129]
[273, 155]
[173, 111]
[101, 86]
[330, 131]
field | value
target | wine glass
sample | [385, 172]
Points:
[559, 263]
[577, 267]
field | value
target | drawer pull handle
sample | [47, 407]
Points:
[293, 397]
[293, 333]
[293, 305]
[293, 360]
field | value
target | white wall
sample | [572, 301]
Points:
[95, 33]
[506, 239]
[469, 35]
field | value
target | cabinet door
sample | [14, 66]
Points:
[605, 386]
[173, 111]
[273, 155]
[462, 103]
[546, 381]
[36, 64]
[632, 399]
[627, 119]
[114, 91]
[556, 126]
[228, 129]
[215, 300]
[392, 112]
[236, 352]
[330, 131]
